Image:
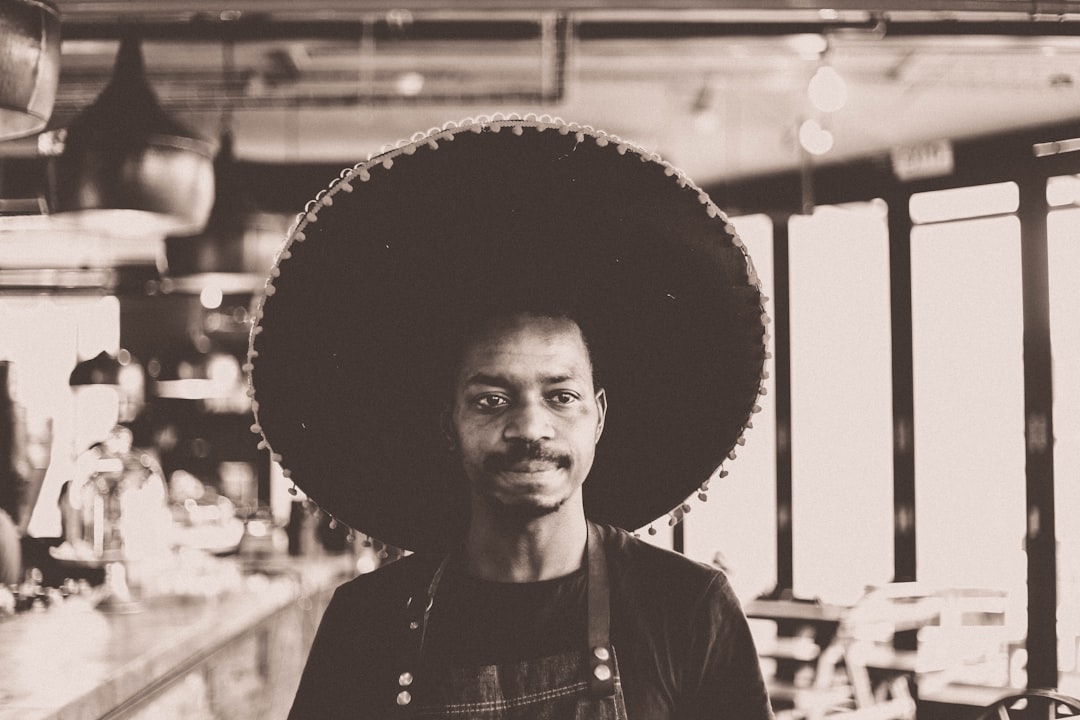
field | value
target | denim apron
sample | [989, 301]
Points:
[577, 685]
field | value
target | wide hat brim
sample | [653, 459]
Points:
[353, 351]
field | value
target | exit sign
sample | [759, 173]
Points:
[913, 162]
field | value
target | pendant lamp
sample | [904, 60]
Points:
[126, 163]
[29, 65]
[224, 254]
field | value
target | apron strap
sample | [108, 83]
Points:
[598, 623]
[601, 677]
[417, 609]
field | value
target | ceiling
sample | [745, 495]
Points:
[720, 90]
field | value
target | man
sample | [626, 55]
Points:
[516, 605]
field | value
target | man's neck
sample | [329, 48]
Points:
[541, 549]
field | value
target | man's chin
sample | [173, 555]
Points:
[522, 509]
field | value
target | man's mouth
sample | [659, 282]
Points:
[527, 459]
[535, 466]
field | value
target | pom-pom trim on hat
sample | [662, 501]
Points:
[383, 161]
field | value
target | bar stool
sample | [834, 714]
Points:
[1031, 705]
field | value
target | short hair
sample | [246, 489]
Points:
[480, 323]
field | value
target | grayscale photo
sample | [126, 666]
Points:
[492, 360]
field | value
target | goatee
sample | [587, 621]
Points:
[515, 514]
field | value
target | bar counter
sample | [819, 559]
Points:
[238, 654]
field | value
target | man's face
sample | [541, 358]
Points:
[526, 417]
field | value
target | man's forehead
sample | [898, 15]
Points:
[555, 343]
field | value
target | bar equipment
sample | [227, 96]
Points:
[122, 518]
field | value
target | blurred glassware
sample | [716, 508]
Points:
[39, 443]
[13, 477]
[122, 517]
[203, 519]
[257, 542]
[10, 551]
[239, 483]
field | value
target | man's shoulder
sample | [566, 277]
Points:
[638, 563]
[387, 583]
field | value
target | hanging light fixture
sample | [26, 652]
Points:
[228, 256]
[827, 89]
[126, 163]
[225, 255]
[814, 138]
[29, 65]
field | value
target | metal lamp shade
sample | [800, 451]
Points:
[235, 251]
[29, 65]
[219, 248]
[127, 163]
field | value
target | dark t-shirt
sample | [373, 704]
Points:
[478, 622]
[682, 643]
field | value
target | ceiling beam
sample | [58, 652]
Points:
[265, 21]
[344, 8]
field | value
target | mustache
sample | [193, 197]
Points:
[525, 452]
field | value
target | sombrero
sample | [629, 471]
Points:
[356, 335]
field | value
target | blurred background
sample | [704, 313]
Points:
[906, 175]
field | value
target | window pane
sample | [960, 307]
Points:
[841, 401]
[965, 202]
[737, 525]
[1063, 190]
[1064, 238]
[969, 435]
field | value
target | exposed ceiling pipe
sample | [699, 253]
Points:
[895, 21]
[373, 86]
[223, 246]
[348, 9]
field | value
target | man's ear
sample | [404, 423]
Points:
[446, 424]
[601, 408]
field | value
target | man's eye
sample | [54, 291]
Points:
[490, 401]
[565, 397]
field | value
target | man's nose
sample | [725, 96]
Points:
[528, 421]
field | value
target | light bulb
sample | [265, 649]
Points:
[827, 90]
[809, 46]
[410, 84]
[815, 139]
[210, 297]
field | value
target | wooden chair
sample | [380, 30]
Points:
[1031, 705]
[826, 643]
[842, 690]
